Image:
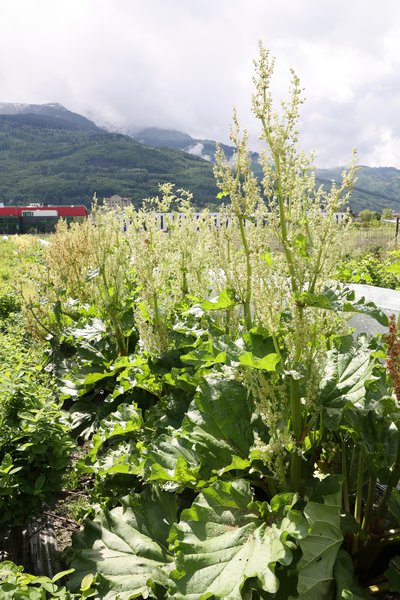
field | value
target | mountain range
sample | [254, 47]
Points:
[50, 154]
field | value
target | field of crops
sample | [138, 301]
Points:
[187, 413]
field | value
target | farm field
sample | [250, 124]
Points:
[129, 395]
[188, 414]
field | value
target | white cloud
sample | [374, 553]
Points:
[198, 150]
[185, 65]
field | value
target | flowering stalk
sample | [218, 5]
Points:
[276, 137]
[393, 367]
[393, 356]
[242, 188]
[286, 260]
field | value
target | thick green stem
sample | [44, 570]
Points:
[110, 303]
[156, 311]
[370, 502]
[276, 346]
[358, 502]
[295, 410]
[295, 397]
[283, 227]
[359, 489]
[247, 298]
[345, 487]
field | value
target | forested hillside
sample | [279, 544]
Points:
[48, 159]
[375, 189]
[54, 155]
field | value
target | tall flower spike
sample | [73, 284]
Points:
[393, 355]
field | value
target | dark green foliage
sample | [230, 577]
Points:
[60, 160]
[50, 160]
[15, 584]
[376, 188]
[368, 216]
[9, 303]
[34, 440]
[370, 269]
[52, 111]
[35, 449]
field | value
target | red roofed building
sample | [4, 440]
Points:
[38, 218]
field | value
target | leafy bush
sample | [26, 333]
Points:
[371, 270]
[15, 584]
[34, 436]
[9, 303]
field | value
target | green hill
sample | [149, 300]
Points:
[172, 138]
[375, 189]
[49, 154]
[52, 110]
[49, 159]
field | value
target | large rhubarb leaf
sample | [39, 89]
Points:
[393, 574]
[347, 587]
[171, 458]
[377, 438]
[122, 423]
[348, 369]
[254, 350]
[226, 539]
[342, 299]
[127, 547]
[321, 546]
[216, 436]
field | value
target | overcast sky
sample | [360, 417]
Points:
[185, 64]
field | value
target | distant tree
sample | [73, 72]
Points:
[387, 213]
[368, 216]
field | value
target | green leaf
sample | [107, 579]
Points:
[393, 268]
[206, 355]
[226, 299]
[347, 587]
[216, 435]
[349, 367]
[127, 546]
[253, 349]
[62, 574]
[123, 422]
[39, 483]
[342, 299]
[92, 378]
[222, 541]
[171, 458]
[267, 258]
[301, 244]
[393, 503]
[321, 546]
[393, 574]
[377, 438]
[268, 363]
[87, 582]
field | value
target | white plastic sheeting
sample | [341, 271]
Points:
[386, 300]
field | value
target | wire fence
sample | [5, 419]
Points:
[361, 240]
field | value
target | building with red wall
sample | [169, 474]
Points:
[38, 218]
